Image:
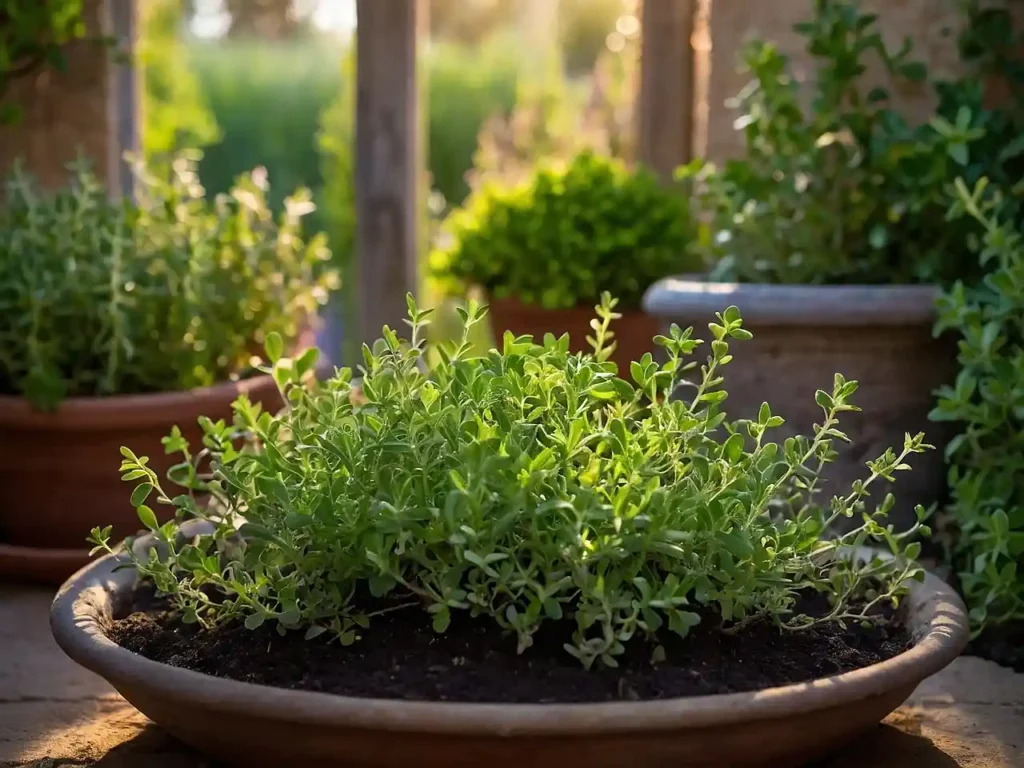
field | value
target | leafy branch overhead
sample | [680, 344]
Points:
[33, 34]
[529, 485]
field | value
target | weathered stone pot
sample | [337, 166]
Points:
[251, 725]
[59, 471]
[881, 336]
[634, 331]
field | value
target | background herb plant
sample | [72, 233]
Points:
[987, 458]
[528, 485]
[846, 190]
[567, 234]
[104, 297]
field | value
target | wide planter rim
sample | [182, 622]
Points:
[694, 297]
[113, 411]
[83, 603]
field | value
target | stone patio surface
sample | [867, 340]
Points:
[53, 713]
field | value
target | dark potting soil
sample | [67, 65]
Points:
[401, 657]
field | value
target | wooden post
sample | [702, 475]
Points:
[666, 114]
[388, 152]
[88, 109]
[125, 99]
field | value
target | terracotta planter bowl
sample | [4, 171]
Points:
[59, 471]
[250, 725]
[634, 332]
[880, 336]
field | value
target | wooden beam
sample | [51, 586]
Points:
[125, 98]
[388, 153]
[667, 85]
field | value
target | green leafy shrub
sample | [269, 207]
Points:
[987, 472]
[987, 511]
[566, 235]
[102, 297]
[847, 190]
[527, 485]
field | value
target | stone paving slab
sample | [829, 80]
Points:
[53, 714]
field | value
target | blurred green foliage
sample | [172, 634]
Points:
[567, 235]
[267, 98]
[583, 28]
[175, 114]
[469, 22]
[464, 88]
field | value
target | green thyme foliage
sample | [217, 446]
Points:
[567, 234]
[528, 485]
[987, 458]
[844, 189]
[102, 297]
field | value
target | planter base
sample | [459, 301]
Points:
[252, 725]
[37, 565]
[880, 336]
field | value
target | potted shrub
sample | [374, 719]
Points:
[515, 557]
[120, 319]
[986, 403]
[983, 529]
[829, 232]
[544, 250]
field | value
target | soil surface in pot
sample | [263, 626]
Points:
[400, 657]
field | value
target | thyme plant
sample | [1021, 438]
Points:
[834, 184]
[526, 486]
[102, 297]
[987, 400]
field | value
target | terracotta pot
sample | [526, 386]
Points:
[59, 471]
[633, 332]
[881, 336]
[251, 725]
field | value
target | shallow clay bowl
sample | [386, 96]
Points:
[251, 725]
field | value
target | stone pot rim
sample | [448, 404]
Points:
[689, 298]
[117, 411]
[84, 604]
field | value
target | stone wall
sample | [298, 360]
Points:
[932, 25]
[87, 109]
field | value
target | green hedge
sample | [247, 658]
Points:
[272, 100]
[267, 99]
